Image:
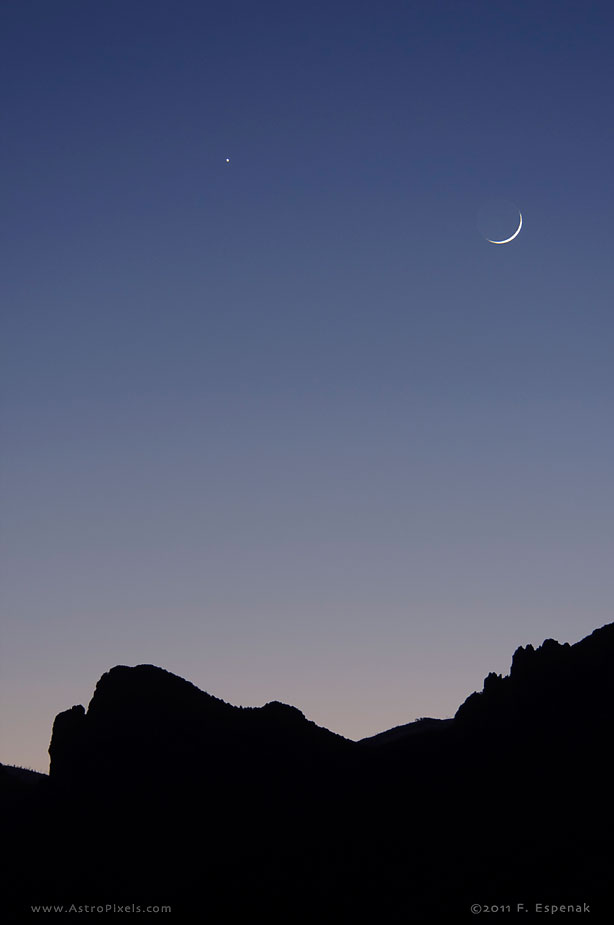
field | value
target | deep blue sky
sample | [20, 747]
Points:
[289, 426]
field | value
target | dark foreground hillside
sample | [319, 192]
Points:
[160, 794]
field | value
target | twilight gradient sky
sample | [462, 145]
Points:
[289, 427]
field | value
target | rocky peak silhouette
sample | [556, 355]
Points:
[145, 722]
[554, 684]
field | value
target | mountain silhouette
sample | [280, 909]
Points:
[161, 794]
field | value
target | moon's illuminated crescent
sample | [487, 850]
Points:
[507, 240]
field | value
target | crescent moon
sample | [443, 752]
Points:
[507, 240]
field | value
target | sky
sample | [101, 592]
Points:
[274, 415]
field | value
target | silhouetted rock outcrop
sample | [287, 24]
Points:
[549, 689]
[160, 793]
[145, 726]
